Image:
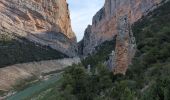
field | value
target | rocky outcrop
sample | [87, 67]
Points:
[115, 19]
[44, 21]
[125, 46]
[10, 75]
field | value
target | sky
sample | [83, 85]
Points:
[82, 12]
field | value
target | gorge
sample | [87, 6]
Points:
[128, 37]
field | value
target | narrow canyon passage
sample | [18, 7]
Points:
[84, 49]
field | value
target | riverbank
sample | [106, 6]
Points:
[11, 75]
[36, 88]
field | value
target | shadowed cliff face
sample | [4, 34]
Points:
[34, 18]
[115, 19]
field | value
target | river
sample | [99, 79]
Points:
[35, 88]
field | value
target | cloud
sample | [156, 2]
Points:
[82, 12]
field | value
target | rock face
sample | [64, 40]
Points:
[125, 46]
[115, 19]
[44, 21]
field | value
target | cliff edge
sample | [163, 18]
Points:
[43, 21]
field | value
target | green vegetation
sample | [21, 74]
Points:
[15, 50]
[77, 83]
[146, 79]
[102, 53]
[2, 93]
[151, 64]
[84, 86]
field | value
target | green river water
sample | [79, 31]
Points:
[35, 88]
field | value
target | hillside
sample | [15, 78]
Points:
[115, 19]
[125, 52]
[147, 78]
[15, 49]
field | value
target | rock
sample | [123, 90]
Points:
[37, 19]
[106, 24]
[110, 63]
[125, 46]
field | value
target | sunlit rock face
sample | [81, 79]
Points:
[110, 21]
[43, 21]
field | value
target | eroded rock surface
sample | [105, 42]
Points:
[125, 45]
[44, 21]
[108, 23]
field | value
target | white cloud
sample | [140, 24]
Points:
[82, 12]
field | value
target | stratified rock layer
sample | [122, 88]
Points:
[115, 19]
[44, 21]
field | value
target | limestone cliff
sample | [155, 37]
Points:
[44, 21]
[115, 19]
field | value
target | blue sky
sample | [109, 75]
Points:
[82, 12]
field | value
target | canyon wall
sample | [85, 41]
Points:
[44, 21]
[115, 19]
